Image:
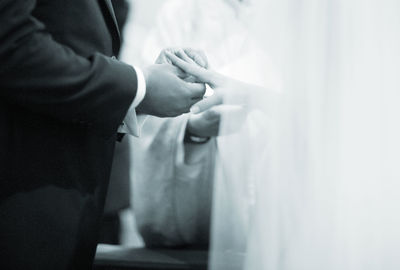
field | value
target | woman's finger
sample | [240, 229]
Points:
[198, 56]
[190, 79]
[200, 73]
[181, 74]
[182, 55]
[206, 104]
[194, 59]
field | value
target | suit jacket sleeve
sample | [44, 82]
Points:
[45, 77]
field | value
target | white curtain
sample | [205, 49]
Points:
[313, 182]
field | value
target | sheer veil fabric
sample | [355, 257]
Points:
[312, 178]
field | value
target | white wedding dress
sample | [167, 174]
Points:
[316, 185]
[313, 183]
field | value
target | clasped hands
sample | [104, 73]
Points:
[177, 84]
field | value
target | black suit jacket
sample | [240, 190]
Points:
[62, 98]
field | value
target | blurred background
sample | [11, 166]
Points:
[325, 192]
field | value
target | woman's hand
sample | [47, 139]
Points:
[226, 90]
[207, 123]
[192, 56]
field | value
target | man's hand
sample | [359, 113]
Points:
[207, 123]
[166, 94]
[170, 91]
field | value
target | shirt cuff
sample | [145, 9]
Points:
[131, 124]
[189, 155]
[141, 87]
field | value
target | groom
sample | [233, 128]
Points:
[63, 97]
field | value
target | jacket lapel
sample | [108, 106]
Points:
[110, 11]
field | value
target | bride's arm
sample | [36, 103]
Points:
[227, 90]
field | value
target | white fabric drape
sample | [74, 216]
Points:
[315, 183]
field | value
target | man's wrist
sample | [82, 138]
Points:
[193, 138]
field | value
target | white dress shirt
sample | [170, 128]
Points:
[132, 122]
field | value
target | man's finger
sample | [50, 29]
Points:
[197, 99]
[197, 89]
[206, 104]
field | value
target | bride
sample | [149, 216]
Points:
[315, 185]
